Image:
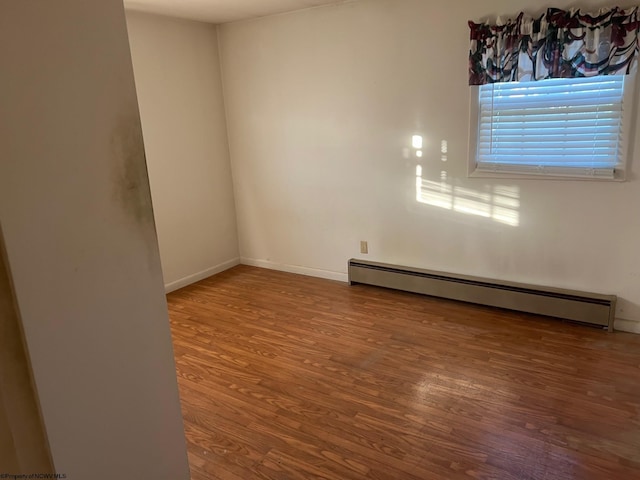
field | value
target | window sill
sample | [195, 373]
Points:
[618, 176]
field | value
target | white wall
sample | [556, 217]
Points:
[23, 445]
[76, 213]
[321, 104]
[180, 95]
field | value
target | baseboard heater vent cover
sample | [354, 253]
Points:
[590, 308]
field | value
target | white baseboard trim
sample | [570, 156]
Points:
[196, 277]
[283, 267]
[622, 325]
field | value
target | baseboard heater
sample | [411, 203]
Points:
[589, 308]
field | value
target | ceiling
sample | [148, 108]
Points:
[222, 11]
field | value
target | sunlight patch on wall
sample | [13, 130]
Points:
[499, 203]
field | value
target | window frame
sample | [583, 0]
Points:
[629, 102]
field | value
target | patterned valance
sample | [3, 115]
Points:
[558, 44]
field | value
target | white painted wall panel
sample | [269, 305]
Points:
[76, 213]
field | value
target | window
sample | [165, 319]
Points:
[561, 127]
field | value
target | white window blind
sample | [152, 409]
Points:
[560, 127]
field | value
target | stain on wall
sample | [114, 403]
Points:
[130, 176]
[23, 444]
[130, 180]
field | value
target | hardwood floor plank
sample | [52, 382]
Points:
[289, 377]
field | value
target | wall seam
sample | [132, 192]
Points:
[227, 128]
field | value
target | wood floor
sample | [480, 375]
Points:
[289, 377]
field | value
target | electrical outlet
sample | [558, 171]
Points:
[364, 247]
